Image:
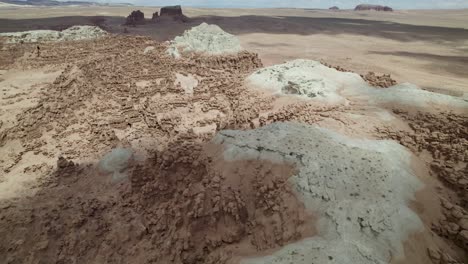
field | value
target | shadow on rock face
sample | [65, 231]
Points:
[229, 208]
[135, 18]
[184, 205]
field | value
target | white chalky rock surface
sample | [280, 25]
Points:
[72, 33]
[116, 162]
[148, 49]
[209, 39]
[186, 82]
[359, 190]
[311, 79]
[407, 94]
[305, 78]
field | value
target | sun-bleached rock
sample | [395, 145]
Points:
[207, 39]
[358, 189]
[71, 33]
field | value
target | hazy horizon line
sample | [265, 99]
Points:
[283, 7]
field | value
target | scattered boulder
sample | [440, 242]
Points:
[365, 7]
[135, 18]
[334, 8]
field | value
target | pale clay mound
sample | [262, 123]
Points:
[311, 79]
[305, 78]
[205, 38]
[359, 190]
[72, 33]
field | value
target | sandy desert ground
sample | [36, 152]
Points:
[425, 47]
[113, 151]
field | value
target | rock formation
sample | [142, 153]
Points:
[155, 16]
[334, 8]
[364, 7]
[383, 81]
[171, 11]
[175, 12]
[135, 18]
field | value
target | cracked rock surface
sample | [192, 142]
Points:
[358, 188]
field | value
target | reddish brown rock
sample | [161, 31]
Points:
[171, 11]
[135, 18]
[174, 12]
[366, 7]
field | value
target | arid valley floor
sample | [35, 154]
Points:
[113, 150]
[426, 47]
